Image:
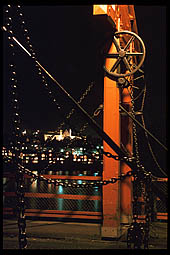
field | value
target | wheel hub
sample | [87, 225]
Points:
[122, 53]
[128, 54]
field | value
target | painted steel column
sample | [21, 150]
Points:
[111, 167]
[127, 141]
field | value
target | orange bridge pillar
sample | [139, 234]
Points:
[111, 167]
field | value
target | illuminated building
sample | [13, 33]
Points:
[60, 136]
[36, 151]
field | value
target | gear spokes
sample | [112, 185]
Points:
[130, 49]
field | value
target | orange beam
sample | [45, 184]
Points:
[58, 213]
[162, 216]
[69, 177]
[92, 217]
[111, 125]
[50, 213]
[105, 9]
[99, 9]
[47, 195]
[62, 212]
[61, 177]
[122, 15]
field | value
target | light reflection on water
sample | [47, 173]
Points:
[58, 203]
[60, 200]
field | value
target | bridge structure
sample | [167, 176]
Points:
[124, 191]
[119, 210]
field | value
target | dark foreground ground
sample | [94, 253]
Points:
[66, 235]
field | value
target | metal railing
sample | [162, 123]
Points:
[46, 200]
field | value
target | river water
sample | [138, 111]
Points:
[39, 192]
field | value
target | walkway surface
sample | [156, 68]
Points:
[66, 235]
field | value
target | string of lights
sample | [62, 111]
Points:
[138, 234]
[24, 31]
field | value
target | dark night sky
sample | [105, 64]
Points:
[65, 44]
[151, 22]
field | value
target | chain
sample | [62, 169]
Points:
[84, 95]
[16, 141]
[68, 117]
[135, 231]
[22, 239]
[148, 209]
[95, 114]
[43, 79]
[25, 32]
[135, 130]
[72, 183]
[82, 129]
[146, 184]
[16, 120]
[149, 145]
[116, 157]
[138, 233]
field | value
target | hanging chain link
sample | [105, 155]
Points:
[43, 79]
[25, 33]
[148, 209]
[138, 233]
[84, 95]
[136, 147]
[72, 183]
[20, 180]
[16, 133]
[68, 117]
